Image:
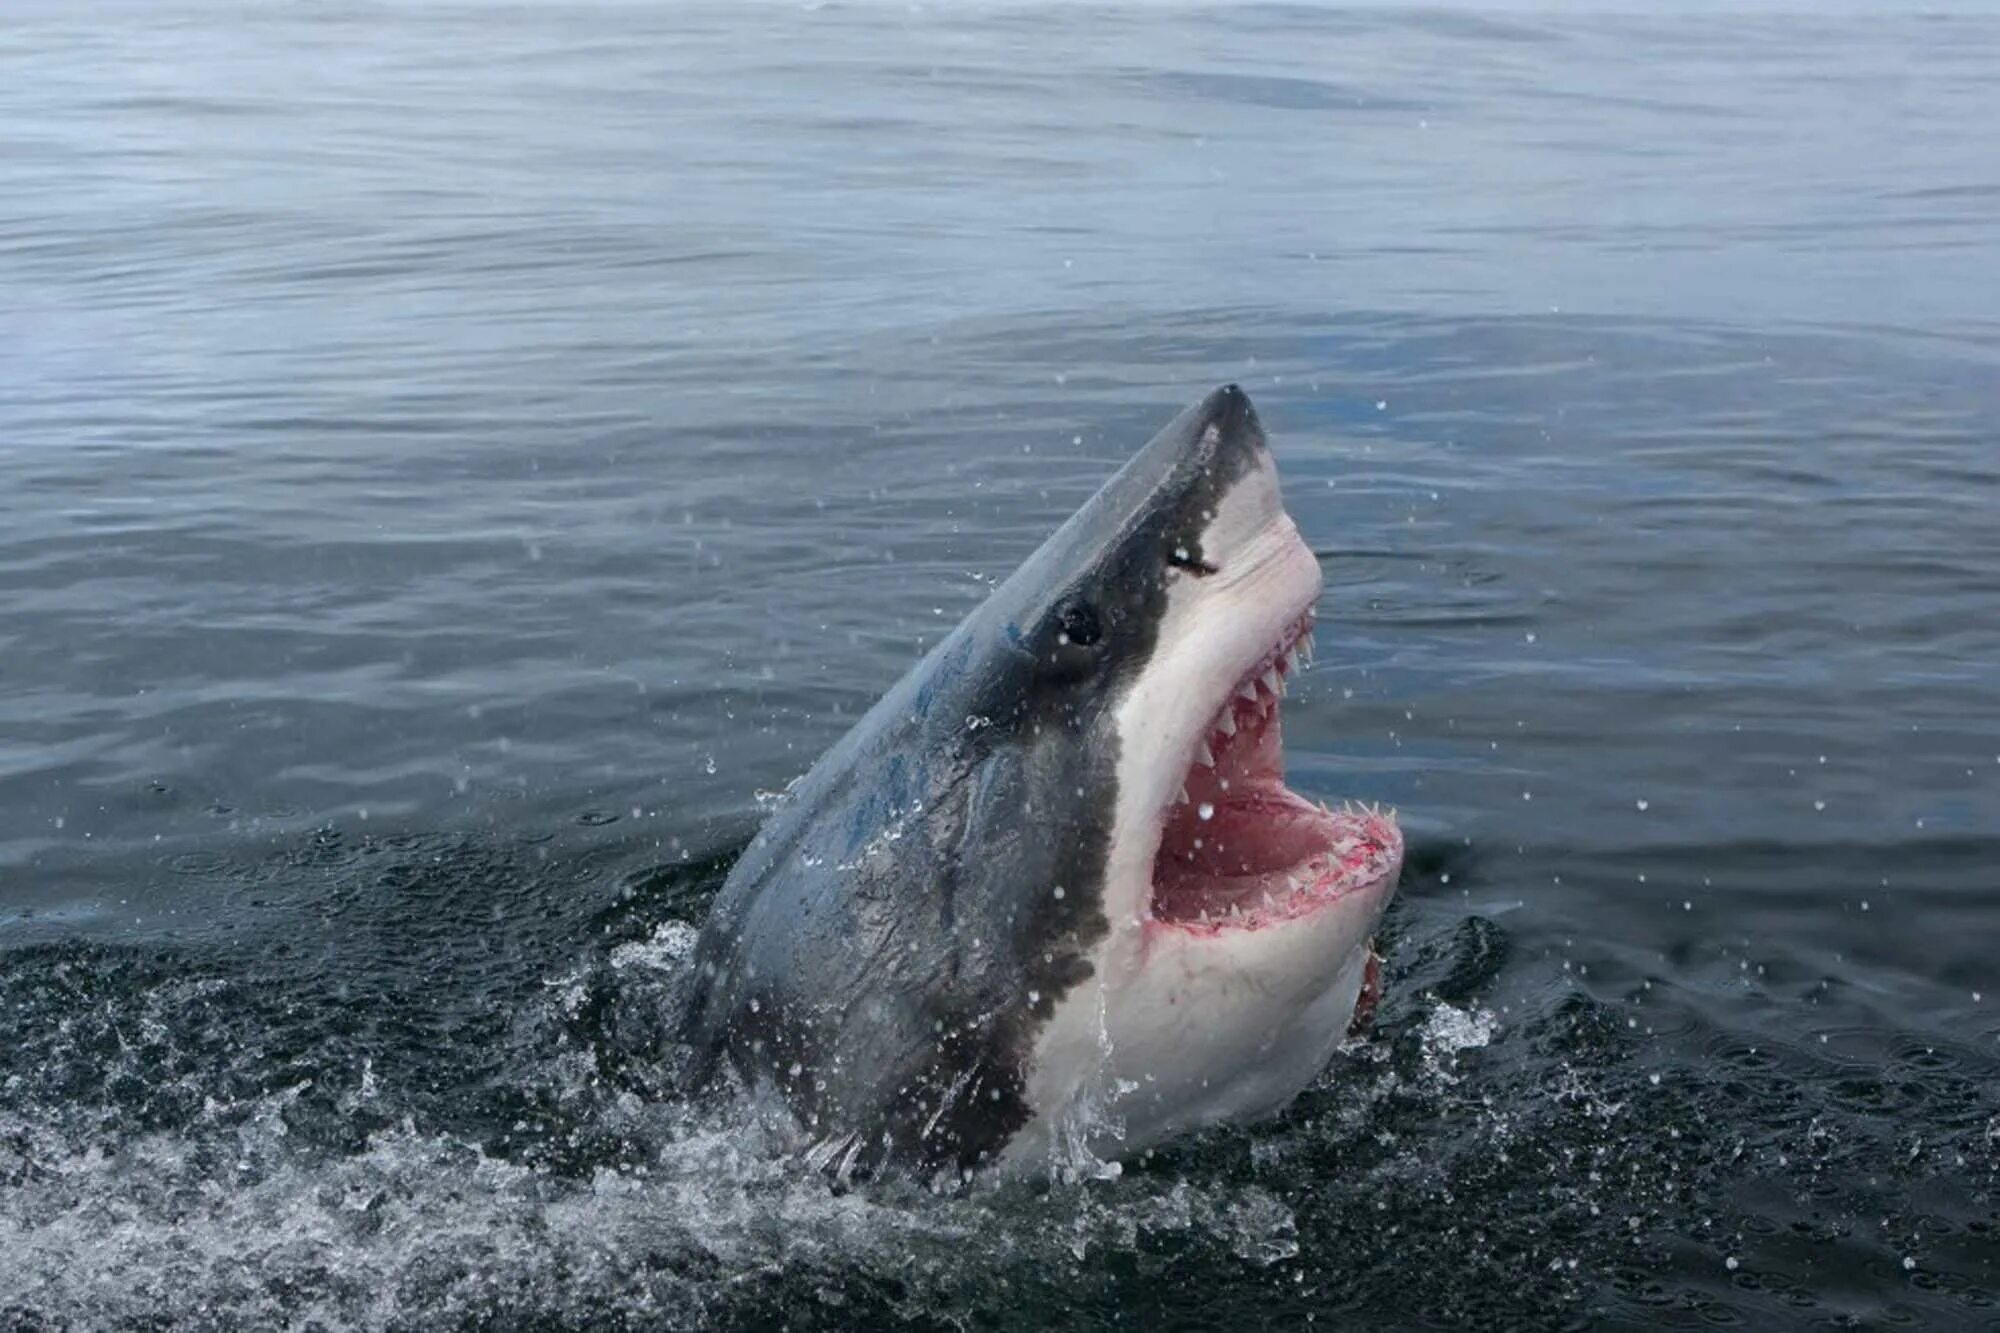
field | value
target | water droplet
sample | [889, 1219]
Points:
[1205, 810]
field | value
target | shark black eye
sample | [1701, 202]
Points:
[1079, 624]
[1180, 557]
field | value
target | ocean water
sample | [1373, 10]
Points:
[455, 457]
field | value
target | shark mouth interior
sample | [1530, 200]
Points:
[1240, 850]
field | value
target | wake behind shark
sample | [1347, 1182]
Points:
[1052, 893]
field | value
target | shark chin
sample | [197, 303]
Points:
[1051, 901]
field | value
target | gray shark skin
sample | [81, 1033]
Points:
[897, 949]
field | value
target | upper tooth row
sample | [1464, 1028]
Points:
[1295, 658]
[1271, 681]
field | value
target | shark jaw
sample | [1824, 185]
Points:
[1241, 914]
[1241, 851]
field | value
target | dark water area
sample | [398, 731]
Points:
[456, 461]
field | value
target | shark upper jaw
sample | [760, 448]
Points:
[1212, 844]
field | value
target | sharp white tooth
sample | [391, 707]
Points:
[1204, 756]
[1247, 690]
[1228, 724]
[1307, 648]
[1182, 799]
[1270, 679]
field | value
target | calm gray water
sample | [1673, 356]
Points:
[454, 457]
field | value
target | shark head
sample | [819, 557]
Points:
[1052, 894]
[1237, 914]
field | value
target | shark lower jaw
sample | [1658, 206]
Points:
[1240, 851]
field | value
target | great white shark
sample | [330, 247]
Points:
[1051, 893]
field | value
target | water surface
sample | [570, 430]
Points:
[453, 458]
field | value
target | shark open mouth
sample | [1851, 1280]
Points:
[1239, 849]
